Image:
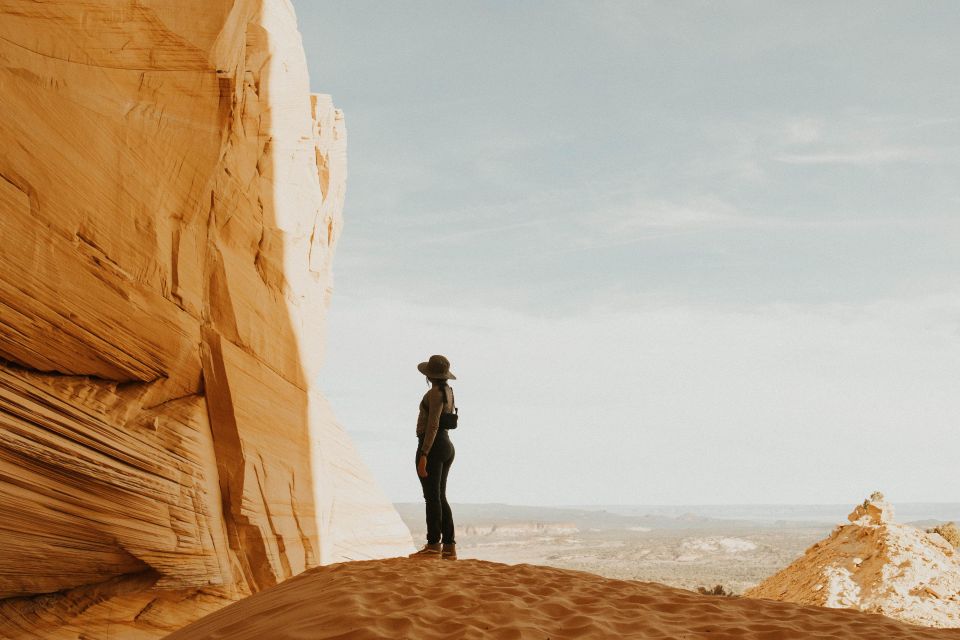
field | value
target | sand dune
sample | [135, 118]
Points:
[402, 598]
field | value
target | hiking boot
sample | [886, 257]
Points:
[428, 551]
[448, 552]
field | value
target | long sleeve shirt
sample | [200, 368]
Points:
[428, 422]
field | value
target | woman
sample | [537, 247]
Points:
[434, 456]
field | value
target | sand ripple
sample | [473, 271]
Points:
[403, 598]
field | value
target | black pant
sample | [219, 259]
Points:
[439, 516]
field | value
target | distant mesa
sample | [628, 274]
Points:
[877, 565]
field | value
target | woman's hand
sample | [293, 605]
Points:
[422, 466]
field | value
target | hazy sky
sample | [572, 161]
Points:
[677, 252]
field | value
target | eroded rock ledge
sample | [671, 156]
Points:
[170, 201]
[877, 565]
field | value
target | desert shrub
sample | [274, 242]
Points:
[949, 531]
[718, 590]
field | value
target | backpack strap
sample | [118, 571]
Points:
[443, 401]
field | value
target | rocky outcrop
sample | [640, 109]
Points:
[875, 564]
[170, 202]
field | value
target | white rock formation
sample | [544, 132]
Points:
[170, 201]
[875, 565]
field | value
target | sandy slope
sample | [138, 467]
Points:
[402, 598]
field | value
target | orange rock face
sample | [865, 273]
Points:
[170, 201]
[875, 564]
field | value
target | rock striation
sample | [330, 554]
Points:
[171, 197]
[875, 564]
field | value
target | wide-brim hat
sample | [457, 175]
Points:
[436, 367]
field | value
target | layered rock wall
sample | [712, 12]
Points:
[170, 201]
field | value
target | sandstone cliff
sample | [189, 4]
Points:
[170, 201]
[875, 564]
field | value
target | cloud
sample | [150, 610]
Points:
[746, 149]
[858, 138]
[470, 233]
[668, 215]
[621, 123]
[641, 221]
[643, 402]
[803, 130]
[862, 157]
